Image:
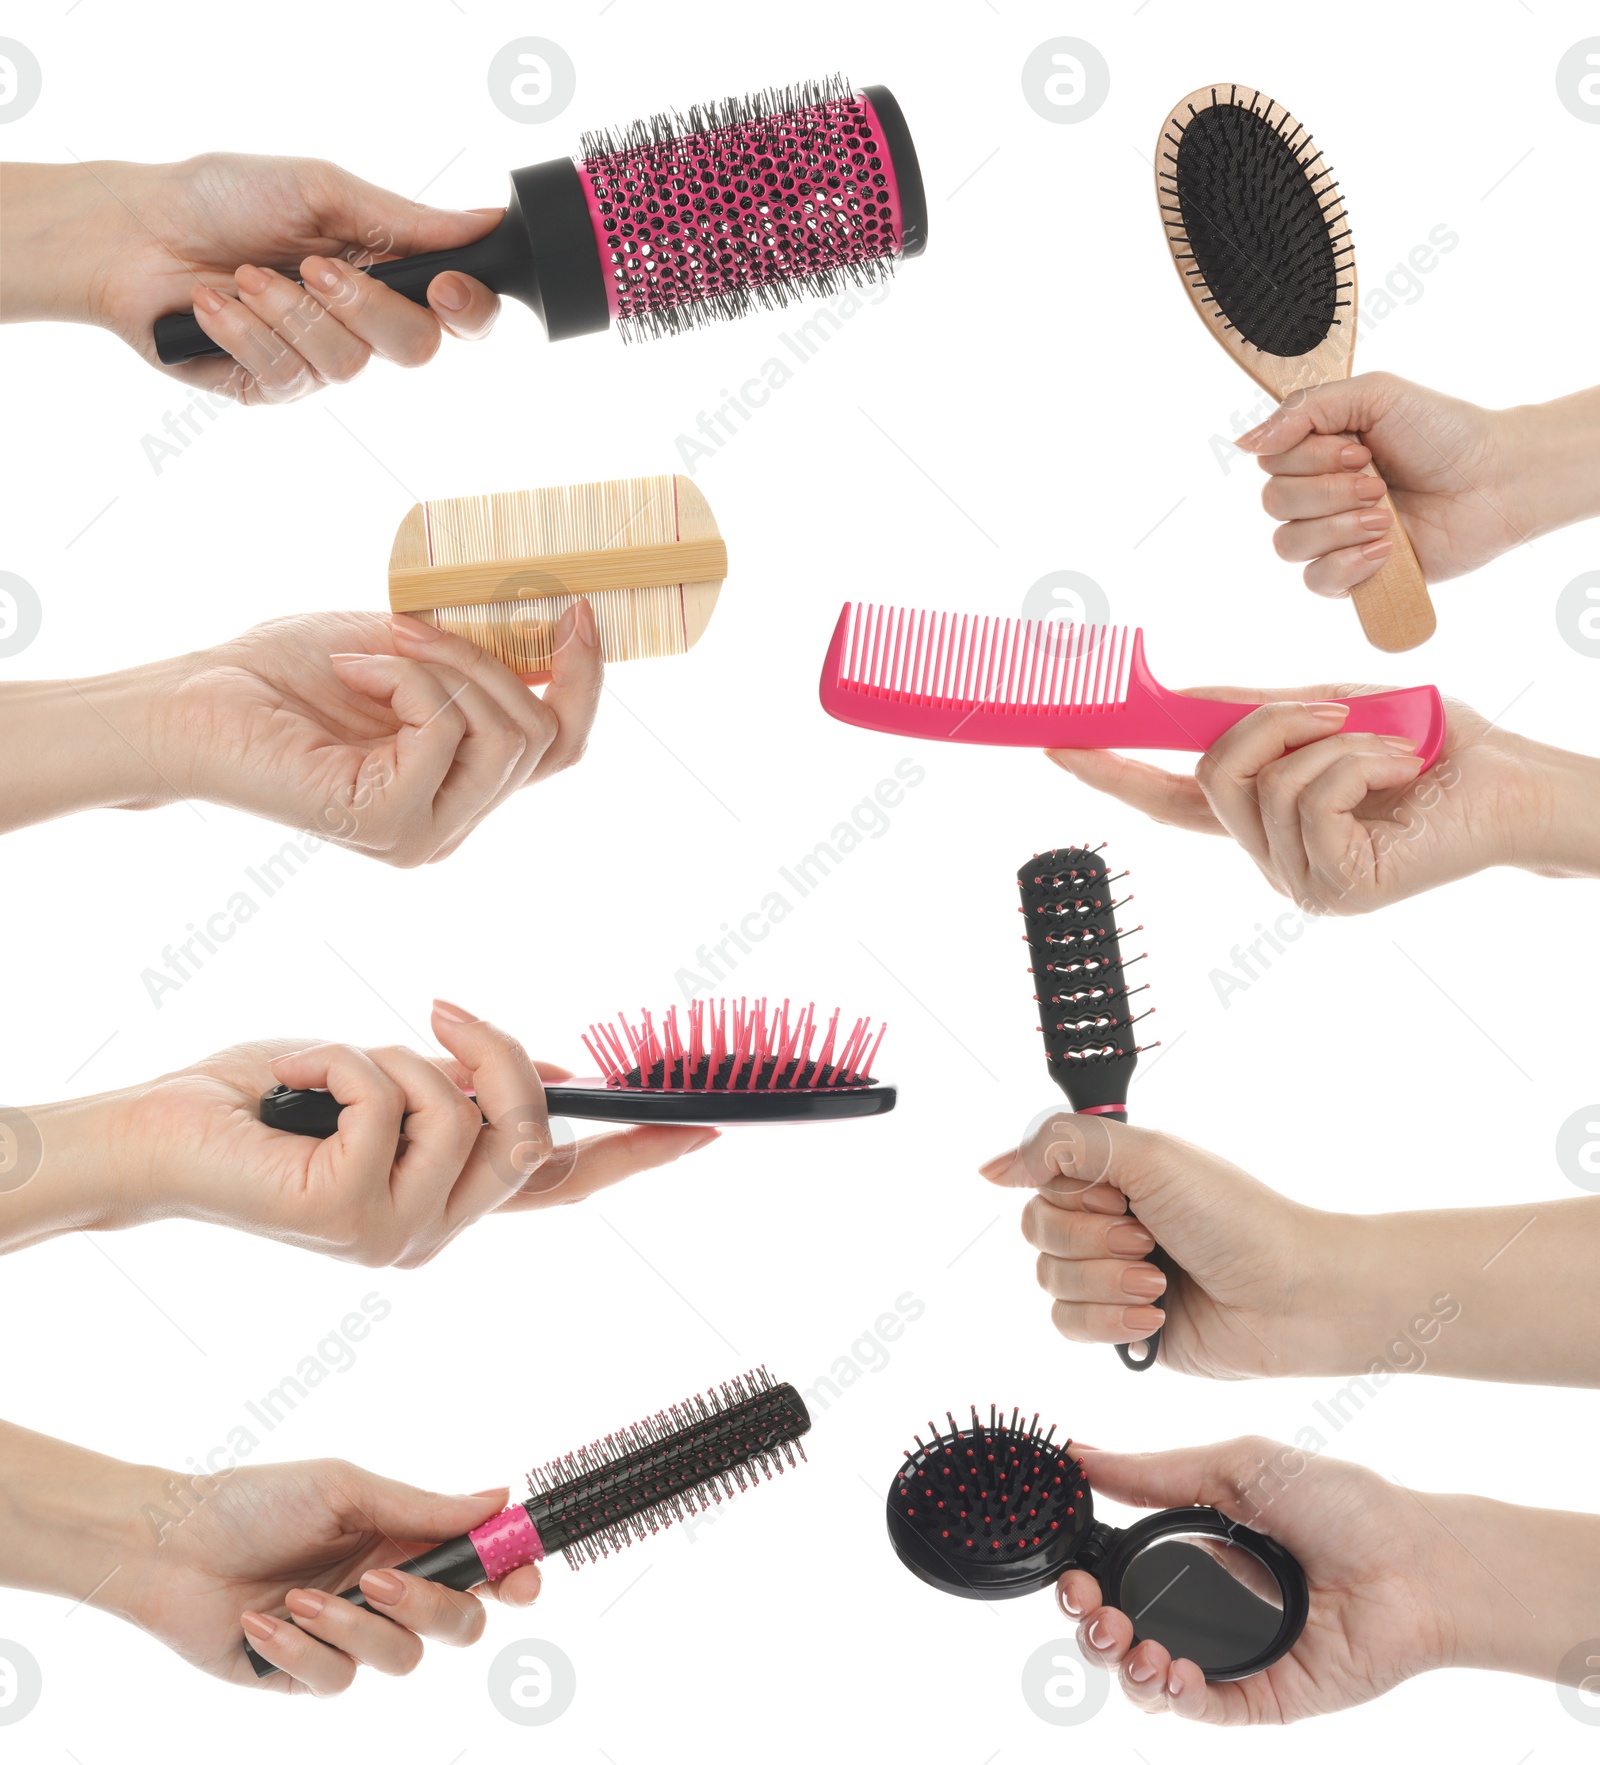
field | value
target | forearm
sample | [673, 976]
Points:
[82, 744]
[1557, 450]
[56, 225]
[1503, 1293]
[68, 1167]
[71, 1520]
[1519, 1587]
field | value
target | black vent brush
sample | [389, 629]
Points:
[790, 194]
[1087, 1009]
[993, 1510]
[627, 1486]
[1258, 231]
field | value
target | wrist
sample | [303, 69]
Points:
[73, 1522]
[70, 1168]
[86, 744]
[1344, 1309]
[59, 229]
[1555, 454]
[1559, 800]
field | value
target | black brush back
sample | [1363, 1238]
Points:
[990, 1510]
[1264, 221]
[1079, 977]
[676, 1463]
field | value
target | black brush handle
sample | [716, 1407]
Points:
[316, 1113]
[455, 1563]
[1152, 1343]
[493, 260]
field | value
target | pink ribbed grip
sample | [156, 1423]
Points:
[508, 1541]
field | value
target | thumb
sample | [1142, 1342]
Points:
[1220, 1476]
[1339, 407]
[1071, 1158]
[406, 1514]
[388, 225]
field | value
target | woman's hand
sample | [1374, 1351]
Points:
[1387, 1580]
[1469, 483]
[414, 1160]
[119, 245]
[381, 733]
[261, 1540]
[1345, 824]
[378, 733]
[1256, 1294]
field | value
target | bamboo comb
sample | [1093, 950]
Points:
[502, 569]
[1260, 239]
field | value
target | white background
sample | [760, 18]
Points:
[1057, 400]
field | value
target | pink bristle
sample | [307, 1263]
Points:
[825, 1052]
[866, 1066]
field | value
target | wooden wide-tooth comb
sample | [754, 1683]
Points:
[1039, 683]
[1258, 232]
[502, 569]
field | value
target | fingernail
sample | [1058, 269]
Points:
[1142, 1318]
[588, 633]
[380, 1585]
[1377, 548]
[1251, 436]
[208, 300]
[999, 1164]
[525, 1599]
[1130, 1241]
[252, 280]
[501, 1493]
[450, 292]
[1374, 520]
[424, 630]
[1369, 488]
[1139, 1671]
[1328, 710]
[451, 1013]
[262, 1629]
[1143, 1282]
[306, 1603]
[320, 271]
[1174, 1683]
[1353, 457]
[1098, 1634]
[1397, 744]
[1070, 1604]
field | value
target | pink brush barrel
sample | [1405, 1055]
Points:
[1025, 683]
[697, 217]
[508, 1541]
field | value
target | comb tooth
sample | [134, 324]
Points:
[896, 679]
[915, 679]
[852, 667]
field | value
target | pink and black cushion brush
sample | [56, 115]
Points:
[1086, 1006]
[730, 1062]
[787, 195]
[995, 1509]
[629, 1485]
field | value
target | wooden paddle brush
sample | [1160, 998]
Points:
[1258, 232]
[502, 569]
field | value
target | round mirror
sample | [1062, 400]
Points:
[1208, 1591]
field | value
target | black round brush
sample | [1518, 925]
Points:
[629, 1485]
[1086, 1008]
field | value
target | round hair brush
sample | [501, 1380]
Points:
[630, 1484]
[1086, 1009]
[682, 218]
[995, 1509]
[1258, 232]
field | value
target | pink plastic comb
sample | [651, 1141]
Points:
[1038, 683]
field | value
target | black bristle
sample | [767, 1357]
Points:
[717, 113]
[1261, 213]
[1086, 1005]
[667, 1467]
[989, 1509]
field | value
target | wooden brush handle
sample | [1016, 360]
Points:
[1393, 606]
